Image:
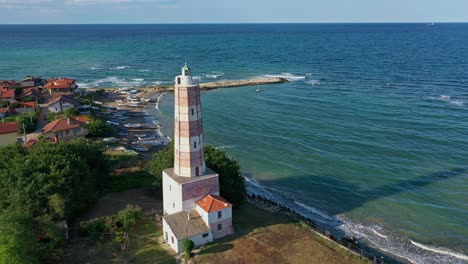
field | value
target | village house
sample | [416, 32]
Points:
[29, 94]
[7, 95]
[7, 84]
[65, 129]
[6, 112]
[61, 85]
[8, 133]
[30, 81]
[62, 103]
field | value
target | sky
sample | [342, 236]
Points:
[233, 11]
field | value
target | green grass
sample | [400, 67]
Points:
[126, 181]
[143, 248]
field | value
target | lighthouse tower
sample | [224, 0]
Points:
[192, 206]
[189, 160]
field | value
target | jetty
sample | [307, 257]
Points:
[238, 83]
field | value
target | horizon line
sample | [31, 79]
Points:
[234, 23]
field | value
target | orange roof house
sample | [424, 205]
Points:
[213, 203]
[62, 103]
[60, 85]
[32, 93]
[8, 133]
[65, 129]
[7, 111]
[7, 95]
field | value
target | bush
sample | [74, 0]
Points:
[129, 216]
[93, 228]
[70, 112]
[188, 246]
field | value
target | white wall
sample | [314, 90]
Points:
[225, 214]
[166, 228]
[55, 108]
[172, 195]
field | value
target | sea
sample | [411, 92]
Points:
[369, 137]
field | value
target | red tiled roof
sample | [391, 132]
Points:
[82, 118]
[29, 92]
[63, 83]
[27, 104]
[7, 94]
[60, 125]
[7, 109]
[63, 98]
[213, 203]
[8, 127]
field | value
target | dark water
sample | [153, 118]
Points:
[370, 136]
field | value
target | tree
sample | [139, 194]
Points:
[97, 128]
[188, 246]
[70, 112]
[232, 184]
[162, 160]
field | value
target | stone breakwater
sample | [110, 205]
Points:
[238, 83]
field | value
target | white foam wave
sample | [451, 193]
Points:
[313, 82]
[226, 147]
[120, 68]
[449, 99]
[111, 81]
[443, 251]
[144, 70]
[315, 211]
[159, 99]
[379, 234]
[289, 76]
[457, 102]
[196, 77]
[214, 75]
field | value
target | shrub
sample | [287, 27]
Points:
[129, 216]
[92, 228]
[188, 246]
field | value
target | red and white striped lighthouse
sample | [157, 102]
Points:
[189, 159]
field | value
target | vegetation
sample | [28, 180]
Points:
[143, 248]
[29, 121]
[71, 112]
[188, 246]
[128, 180]
[98, 128]
[232, 184]
[46, 182]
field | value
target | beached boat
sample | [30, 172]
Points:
[112, 123]
[147, 138]
[141, 148]
[123, 117]
[135, 103]
[157, 142]
[123, 134]
[140, 135]
[110, 140]
[132, 98]
[135, 113]
[132, 125]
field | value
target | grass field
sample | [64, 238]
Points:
[144, 248]
[264, 237]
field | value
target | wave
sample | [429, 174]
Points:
[159, 100]
[443, 251]
[120, 68]
[226, 147]
[214, 75]
[144, 70]
[289, 76]
[449, 99]
[313, 82]
[197, 77]
[375, 235]
[112, 81]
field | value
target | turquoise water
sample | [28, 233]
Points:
[369, 137]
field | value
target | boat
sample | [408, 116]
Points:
[112, 123]
[132, 125]
[258, 90]
[123, 117]
[123, 134]
[110, 140]
[141, 149]
[136, 113]
[132, 98]
[147, 138]
[135, 103]
[157, 142]
[140, 135]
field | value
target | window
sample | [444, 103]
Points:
[194, 144]
[178, 80]
[205, 235]
[220, 226]
[220, 214]
[167, 237]
[193, 112]
[170, 188]
[172, 239]
[173, 205]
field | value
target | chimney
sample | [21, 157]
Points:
[68, 120]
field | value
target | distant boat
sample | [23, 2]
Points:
[431, 24]
[110, 140]
[258, 90]
[132, 125]
[141, 149]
